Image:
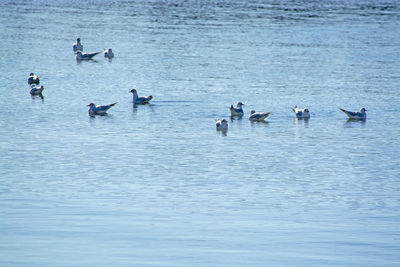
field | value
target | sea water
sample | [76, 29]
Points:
[157, 184]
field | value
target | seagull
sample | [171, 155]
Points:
[99, 110]
[221, 124]
[36, 90]
[140, 100]
[238, 111]
[108, 53]
[77, 46]
[33, 79]
[258, 116]
[85, 56]
[360, 115]
[301, 113]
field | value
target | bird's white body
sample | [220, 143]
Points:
[99, 110]
[108, 53]
[258, 116]
[35, 90]
[140, 100]
[221, 124]
[77, 46]
[358, 115]
[301, 113]
[238, 111]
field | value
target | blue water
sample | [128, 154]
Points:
[157, 184]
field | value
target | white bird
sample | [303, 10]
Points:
[99, 110]
[77, 46]
[360, 115]
[221, 124]
[301, 113]
[108, 53]
[258, 116]
[85, 56]
[140, 100]
[33, 79]
[238, 111]
[35, 90]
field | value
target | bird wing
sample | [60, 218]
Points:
[90, 55]
[351, 114]
[105, 107]
[259, 116]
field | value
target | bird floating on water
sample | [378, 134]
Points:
[99, 110]
[77, 46]
[140, 99]
[108, 53]
[238, 111]
[33, 79]
[301, 113]
[35, 90]
[258, 116]
[358, 115]
[85, 56]
[221, 124]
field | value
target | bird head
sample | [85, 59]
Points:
[91, 105]
[132, 91]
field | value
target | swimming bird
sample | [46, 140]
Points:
[221, 124]
[359, 115]
[35, 90]
[140, 99]
[238, 111]
[77, 46]
[85, 56]
[301, 113]
[99, 110]
[258, 116]
[33, 79]
[108, 53]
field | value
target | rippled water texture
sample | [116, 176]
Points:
[157, 184]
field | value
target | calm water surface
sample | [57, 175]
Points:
[157, 184]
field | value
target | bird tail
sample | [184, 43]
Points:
[265, 115]
[113, 104]
[346, 112]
